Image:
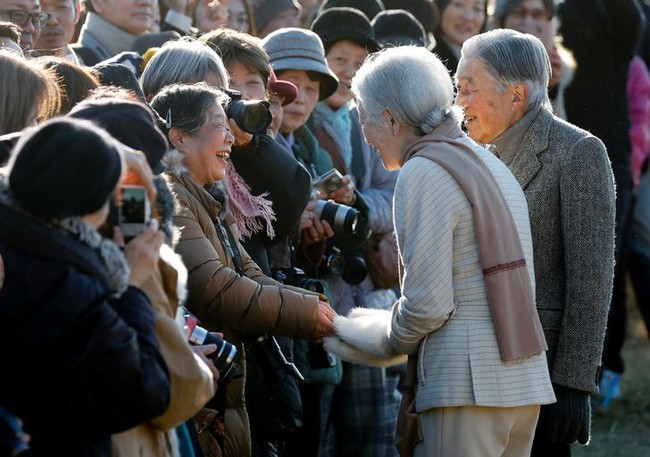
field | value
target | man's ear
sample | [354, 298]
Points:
[176, 137]
[519, 97]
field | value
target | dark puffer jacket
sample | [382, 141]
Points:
[77, 364]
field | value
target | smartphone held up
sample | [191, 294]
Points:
[134, 210]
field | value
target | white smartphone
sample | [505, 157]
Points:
[135, 210]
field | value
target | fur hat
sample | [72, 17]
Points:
[299, 49]
[398, 28]
[370, 8]
[64, 168]
[342, 23]
[131, 123]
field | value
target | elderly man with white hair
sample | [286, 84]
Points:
[467, 304]
[566, 176]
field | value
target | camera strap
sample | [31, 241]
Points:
[230, 245]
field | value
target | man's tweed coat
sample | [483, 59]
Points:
[569, 185]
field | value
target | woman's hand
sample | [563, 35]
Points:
[203, 351]
[324, 322]
[136, 163]
[314, 230]
[142, 253]
[345, 193]
[242, 139]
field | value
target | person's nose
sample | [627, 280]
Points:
[53, 19]
[229, 138]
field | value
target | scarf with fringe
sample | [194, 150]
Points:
[252, 213]
[109, 253]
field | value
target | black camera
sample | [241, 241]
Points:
[252, 116]
[293, 276]
[351, 266]
[223, 357]
[342, 218]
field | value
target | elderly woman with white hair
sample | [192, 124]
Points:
[467, 307]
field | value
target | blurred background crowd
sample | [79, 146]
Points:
[272, 214]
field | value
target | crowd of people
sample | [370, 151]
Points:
[362, 227]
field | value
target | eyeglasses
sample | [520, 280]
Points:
[21, 18]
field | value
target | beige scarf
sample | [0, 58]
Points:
[507, 282]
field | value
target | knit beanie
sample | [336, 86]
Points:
[343, 23]
[370, 8]
[64, 168]
[271, 8]
[503, 7]
[398, 28]
[294, 48]
[129, 122]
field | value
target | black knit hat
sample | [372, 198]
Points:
[64, 168]
[398, 28]
[342, 23]
[130, 123]
[370, 8]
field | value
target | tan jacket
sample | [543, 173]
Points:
[191, 381]
[224, 301]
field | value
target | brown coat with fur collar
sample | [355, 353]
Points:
[224, 301]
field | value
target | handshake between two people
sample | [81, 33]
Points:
[361, 337]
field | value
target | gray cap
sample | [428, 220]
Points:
[300, 49]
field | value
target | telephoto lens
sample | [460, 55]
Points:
[223, 357]
[252, 116]
[342, 218]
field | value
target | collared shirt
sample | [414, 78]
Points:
[507, 144]
[104, 38]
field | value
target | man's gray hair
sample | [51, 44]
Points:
[184, 61]
[408, 80]
[511, 58]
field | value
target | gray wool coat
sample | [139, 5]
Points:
[568, 182]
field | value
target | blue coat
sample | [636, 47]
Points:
[77, 364]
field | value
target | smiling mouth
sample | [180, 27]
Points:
[225, 155]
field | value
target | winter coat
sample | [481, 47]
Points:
[80, 364]
[191, 381]
[602, 35]
[269, 168]
[225, 301]
[638, 96]
[569, 187]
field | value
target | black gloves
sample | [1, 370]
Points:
[569, 419]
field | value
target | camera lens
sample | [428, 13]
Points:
[252, 116]
[342, 218]
[225, 354]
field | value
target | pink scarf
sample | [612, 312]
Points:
[252, 213]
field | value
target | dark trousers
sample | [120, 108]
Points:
[617, 318]
[639, 268]
[541, 445]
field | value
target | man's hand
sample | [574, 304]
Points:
[569, 418]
